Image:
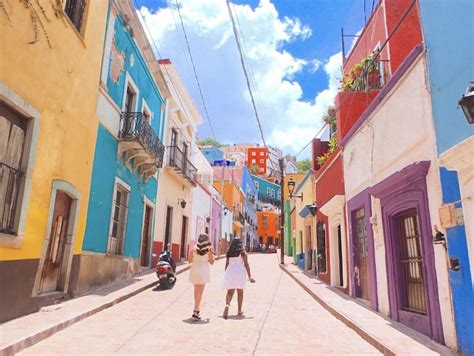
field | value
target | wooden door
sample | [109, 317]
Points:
[57, 243]
[339, 257]
[145, 253]
[362, 246]
[184, 232]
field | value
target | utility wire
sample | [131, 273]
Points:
[244, 68]
[405, 14]
[195, 72]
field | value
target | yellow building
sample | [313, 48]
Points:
[49, 74]
[304, 221]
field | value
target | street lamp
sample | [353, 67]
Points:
[467, 103]
[291, 189]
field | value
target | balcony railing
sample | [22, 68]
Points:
[181, 163]
[135, 128]
[10, 179]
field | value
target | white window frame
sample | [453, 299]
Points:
[27, 163]
[129, 82]
[254, 154]
[262, 154]
[124, 185]
[146, 108]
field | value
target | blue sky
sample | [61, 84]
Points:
[293, 48]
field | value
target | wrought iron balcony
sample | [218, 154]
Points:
[182, 165]
[141, 145]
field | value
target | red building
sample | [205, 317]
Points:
[352, 102]
[257, 157]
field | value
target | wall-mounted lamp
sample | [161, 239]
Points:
[291, 189]
[182, 202]
[467, 103]
[439, 237]
[208, 219]
[313, 209]
[225, 210]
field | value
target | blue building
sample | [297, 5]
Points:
[129, 151]
[450, 60]
[251, 199]
[268, 192]
[212, 154]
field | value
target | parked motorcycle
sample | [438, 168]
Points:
[166, 270]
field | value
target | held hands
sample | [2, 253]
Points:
[251, 280]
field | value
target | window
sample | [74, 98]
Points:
[262, 169]
[129, 100]
[174, 137]
[75, 11]
[262, 154]
[264, 222]
[254, 154]
[254, 161]
[12, 143]
[262, 161]
[279, 195]
[256, 184]
[119, 220]
[269, 192]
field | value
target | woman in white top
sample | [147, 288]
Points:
[234, 276]
[200, 258]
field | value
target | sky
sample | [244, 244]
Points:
[292, 49]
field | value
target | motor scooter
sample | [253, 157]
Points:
[166, 269]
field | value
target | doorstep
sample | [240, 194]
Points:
[388, 336]
[27, 330]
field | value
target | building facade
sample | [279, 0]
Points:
[175, 202]
[391, 180]
[449, 76]
[129, 152]
[257, 160]
[48, 128]
[268, 192]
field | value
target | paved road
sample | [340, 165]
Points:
[281, 318]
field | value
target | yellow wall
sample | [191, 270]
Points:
[308, 198]
[62, 84]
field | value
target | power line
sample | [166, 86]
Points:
[244, 68]
[195, 72]
[405, 14]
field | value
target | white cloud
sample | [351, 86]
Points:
[315, 64]
[288, 121]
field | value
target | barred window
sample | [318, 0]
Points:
[321, 240]
[12, 141]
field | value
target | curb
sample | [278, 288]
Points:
[28, 341]
[348, 322]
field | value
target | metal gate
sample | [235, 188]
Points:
[411, 264]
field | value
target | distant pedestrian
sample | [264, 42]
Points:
[200, 258]
[234, 276]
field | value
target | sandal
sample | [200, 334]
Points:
[196, 315]
[240, 313]
[226, 311]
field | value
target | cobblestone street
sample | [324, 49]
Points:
[277, 315]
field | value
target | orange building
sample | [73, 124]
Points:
[257, 157]
[234, 200]
[268, 227]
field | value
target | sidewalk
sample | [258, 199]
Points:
[388, 336]
[25, 331]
